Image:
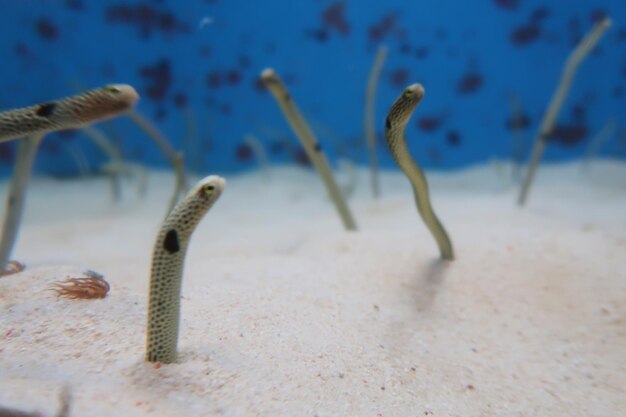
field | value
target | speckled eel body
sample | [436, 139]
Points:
[168, 259]
[396, 122]
[67, 113]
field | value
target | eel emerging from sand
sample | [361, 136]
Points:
[574, 60]
[396, 121]
[168, 259]
[67, 113]
[370, 115]
[311, 146]
[31, 124]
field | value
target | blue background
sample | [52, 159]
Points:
[209, 54]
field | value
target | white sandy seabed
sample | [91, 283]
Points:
[285, 314]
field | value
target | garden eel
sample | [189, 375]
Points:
[396, 121]
[574, 60]
[303, 131]
[259, 152]
[31, 124]
[168, 258]
[67, 113]
[370, 116]
[175, 158]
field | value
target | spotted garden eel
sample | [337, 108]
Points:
[168, 259]
[576, 57]
[396, 122]
[311, 146]
[67, 113]
[32, 124]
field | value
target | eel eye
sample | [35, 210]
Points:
[112, 89]
[209, 189]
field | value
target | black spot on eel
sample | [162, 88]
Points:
[170, 243]
[168, 259]
[46, 109]
[396, 122]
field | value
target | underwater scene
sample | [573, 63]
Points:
[313, 207]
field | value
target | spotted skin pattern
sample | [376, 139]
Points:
[168, 259]
[395, 124]
[67, 113]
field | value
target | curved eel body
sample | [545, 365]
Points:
[396, 122]
[67, 113]
[168, 259]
